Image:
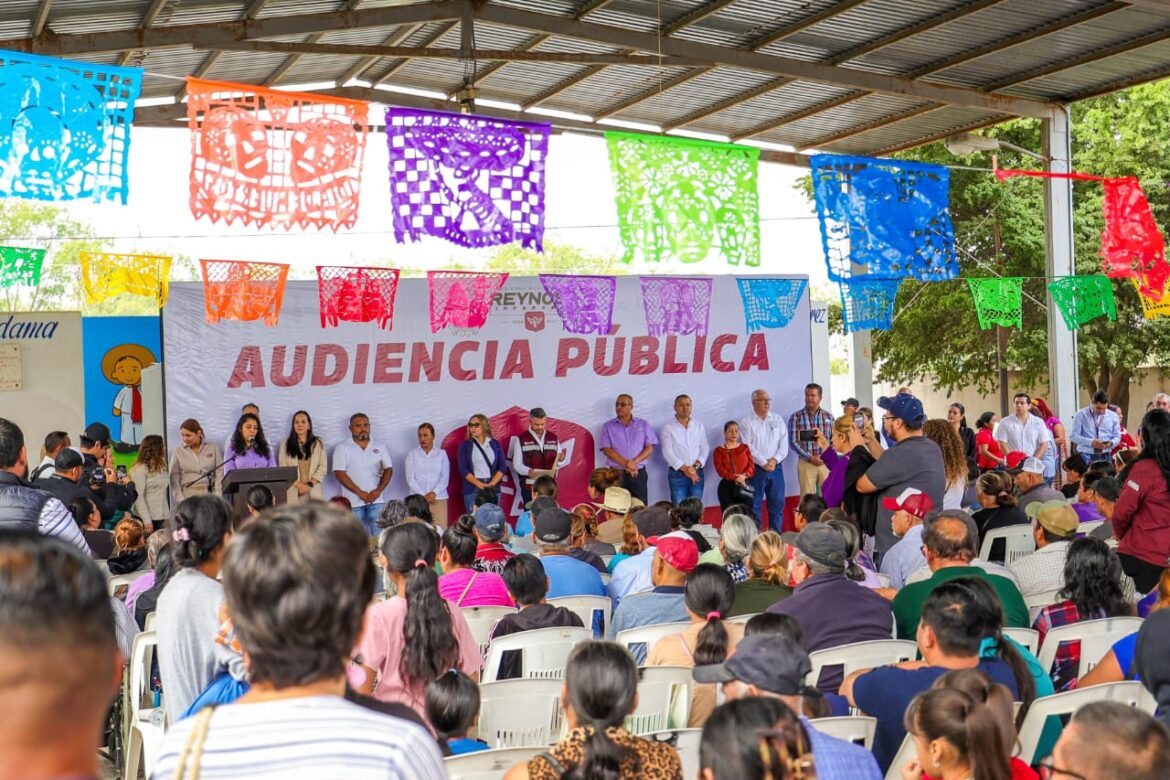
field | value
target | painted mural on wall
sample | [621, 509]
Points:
[116, 351]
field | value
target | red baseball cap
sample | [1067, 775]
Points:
[1015, 459]
[678, 549]
[910, 500]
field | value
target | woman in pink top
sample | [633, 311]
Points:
[409, 641]
[461, 584]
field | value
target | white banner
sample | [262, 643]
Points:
[520, 359]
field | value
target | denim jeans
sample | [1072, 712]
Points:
[681, 486]
[368, 515]
[769, 485]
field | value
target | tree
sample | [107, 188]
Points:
[45, 226]
[999, 230]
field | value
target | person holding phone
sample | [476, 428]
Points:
[804, 427]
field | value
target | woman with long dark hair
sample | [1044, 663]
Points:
[1092, 590]
[955, 470]
[955, 738]
[601, 686]
[957, 417]
[415, 636]
[1141, 517]
[988, 455]
[753, 739]
[303, 450]
[248, 448]
[709, 596]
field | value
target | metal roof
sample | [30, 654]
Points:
[851, 76]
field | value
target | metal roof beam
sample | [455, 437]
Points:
[442, 30]
[783, 66]
[215, 32]
[41, 18]
[398, 37]
[290, 62]
[855, 130]
[1149, 39]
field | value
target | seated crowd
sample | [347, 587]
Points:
[291, 644]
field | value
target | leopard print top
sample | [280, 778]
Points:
[651, 760]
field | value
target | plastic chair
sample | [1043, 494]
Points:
[686, 742]
[144, 738]
[606, 559]
[520, 713]
[488, 764]
[861, 655]
[858, 729]
[639, 640]
[149, 621]
[664, 699]
[481, 620]
[544, 651]
[1086, 528]
[741, 618]
[1128, 692]
[1096, 637]
[1038, 601]
[905, 753]
[123, 581]
[1028, 637]
[1018, 541]
[884, 579]
[586, 608]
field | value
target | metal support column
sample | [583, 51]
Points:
[1058, 261]
[861, 361]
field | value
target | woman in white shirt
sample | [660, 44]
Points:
[428, 471]
[151, 477]
[304, 451]
[943, 434]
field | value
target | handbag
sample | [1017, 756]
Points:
[193, 749]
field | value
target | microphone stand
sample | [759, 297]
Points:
[209, 475]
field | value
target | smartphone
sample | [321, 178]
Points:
[97, 477]
[859, 421]
[121, 470]
[806, 435]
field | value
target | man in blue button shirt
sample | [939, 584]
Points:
[1096, 429]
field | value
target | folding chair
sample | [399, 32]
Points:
[639, 640]
[860, 655]
[520, 713]
[543, 651]
[1018, 541]
[1095, 636]
[488, 764]
[858, 729]
[1129, 692]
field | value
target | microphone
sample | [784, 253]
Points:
[251, 441]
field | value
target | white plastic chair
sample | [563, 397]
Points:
[1088, 527]
[144, 738]
[1129, 692]
[664, 699]
[150, 620]
[686, 742]
[861, 655]
[884, 579]
[586, 607]
[1096, 637]
[544, 651]
[481, 619]
[858, 729]
[488, 764]
[1017, 539]
[606, 559]
[639, 640]
[742, 618]
[123, 581]
[905, 753]
[1028, 637]
[520, 713]
[1038, 601]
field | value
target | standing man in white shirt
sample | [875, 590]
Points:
[685, 448]
[428, 472]
[1023, 432]
[363, 467]
[767, 438]
[803, 425]
[535, 453]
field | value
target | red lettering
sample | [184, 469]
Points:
[321, 355]
[717, 347]
[361, 363]
[455, 361]
[489, 359]
[700, 351]
[422, 362]
[249, 368]
[756, 353]
[571, 353]
[387, 357]
[643, 355]
[519, 361]
[619, 353]
[669, 364]
[276, 369]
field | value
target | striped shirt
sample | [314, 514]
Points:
[802, 420]
[318, 737]
[57, 520]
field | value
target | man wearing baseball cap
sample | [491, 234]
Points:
[1030, 483]
[110, 492]
[490, 529]
[774, 666]
[1054, 526]
[905, 557]
[675, 556]
[632, 575]
[567, 576]
[830, 608]
[916, 462]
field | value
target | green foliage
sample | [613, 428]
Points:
[937, 335]
[33, 224]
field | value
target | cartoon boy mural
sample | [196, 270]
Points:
[122, 365]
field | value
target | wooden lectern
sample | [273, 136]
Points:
[236, 484]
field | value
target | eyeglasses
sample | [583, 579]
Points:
[889, 417]
[474, 425]
[1048, 770]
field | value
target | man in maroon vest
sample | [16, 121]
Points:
[535, 452]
